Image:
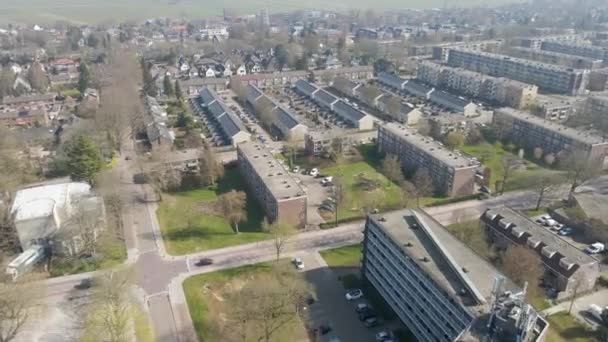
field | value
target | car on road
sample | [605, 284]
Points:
[298, 263]
[371, 322]
[595, 248]
[384, 336]
[566, 231]
[204, 262]
[84, 284]
[354, 294]
[314, 172]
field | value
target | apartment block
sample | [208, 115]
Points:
[543, 56]
[555, 107]
[583, 50]
[439, 288]
[453, 173]
[536, 42]
[596, 105]
[566, 266]
[546, 76]
[530, 131]
[474, 84]
[441, 52]
[275, 190]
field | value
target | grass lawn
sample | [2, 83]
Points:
[204, 296]
[564, 327]
[491, 156]
[348, 256]
[208, 231]
[387, 192]
[534, 213]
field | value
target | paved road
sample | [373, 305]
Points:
[581, 305]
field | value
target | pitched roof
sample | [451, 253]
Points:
[346, 109]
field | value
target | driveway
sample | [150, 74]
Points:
[316, 194]
[331, 308]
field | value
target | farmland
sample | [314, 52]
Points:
[112, 11]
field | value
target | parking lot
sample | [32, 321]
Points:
[331, 307]
[316, 195]
[316, 116]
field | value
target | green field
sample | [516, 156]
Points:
[112, 11]
[564, 327]
[348, 256]
[208, 231]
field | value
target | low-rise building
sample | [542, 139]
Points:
[567, 268]
[453, 173]
[364, 72]
[159, 135]
[555, 107]
[233, 130]
[43, 215]
[272, 186]
[530, 131]
[438, 287]
[274, 79]
[193, 86]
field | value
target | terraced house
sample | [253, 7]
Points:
[272, 186]
[453, 173]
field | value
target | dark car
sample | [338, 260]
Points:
[366, 314]
[371, 322]
[204, 262]
[84, 284]
[324, 329]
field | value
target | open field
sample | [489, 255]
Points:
[206, 231]
[564, 327]
[204, 294]
[89, 11]
[347, 256]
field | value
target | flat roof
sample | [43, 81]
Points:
[278, 181]
[420, 236]
[540, 234]
[429, 146]
[584, 137]
[519, 60]
[41, 201]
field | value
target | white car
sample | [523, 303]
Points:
[354, 294]
[296, 169]
[550, 223]
[384, 336]
[327, 180]
[298, 263]
[557, 227]
[314, 172]
[595, 248]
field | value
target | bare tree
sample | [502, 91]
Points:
[508, 165]
[543, 184]
[17, 306]
[408, 190]
[579, 168]
[340, 195]
[267, 303]
[368, 94]
[342, 85]
[391, 167]
[424, 185]
[82, 228]
[232, 206]
[281, 233]
[238, 88]
[160, 175]
[523, 265]
[110, 316]
[210, 169]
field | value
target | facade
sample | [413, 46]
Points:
[275, 190]
[536, 42]
[596, 105]
[546, 76]
[566, 266]
[284, 120]
[543, 56]
[530, 131]
[340, 108]
[589, 51]
[234, 132]
[555, 107]
[441, 52]
[439, 288]
[159, 135]
[453, 174]
[271, 79]
[351, 73]
[194, 85]
[42, 215]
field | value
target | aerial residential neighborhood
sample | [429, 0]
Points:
[334, 171]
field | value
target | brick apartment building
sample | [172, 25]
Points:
[566, 266]
[530, 131]
[275, 190]
[453, 174]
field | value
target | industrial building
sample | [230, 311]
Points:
[453, 174]
[530, 131]
[272, 186]
[546, 76]
[438, 287]
[283, 119]
[345, 111]
[567, 268]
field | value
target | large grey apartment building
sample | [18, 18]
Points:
[530, 131]
[597, 105]
[453, 174]
[544, 56]
[275, 190]
[589, 51]
[494, 89]
[566, 266]
[546, 76]
[439, 288]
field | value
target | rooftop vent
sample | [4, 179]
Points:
[424, 259]
[382, 219]
[270, 175]
[465, 270]
[408, 244]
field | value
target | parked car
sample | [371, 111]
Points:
[367, 314]
[384, 336]
[298, 263]
[327, 180]
[550, 223]
[84, 284]
[595, 248]
[296, 169]
[328, 206]
[362, 307]
[596, 312]
[566, 231]
[557, 227]
[354, 294]
[314, 172]
[371, 322]
[486, 190]
[204, 262]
